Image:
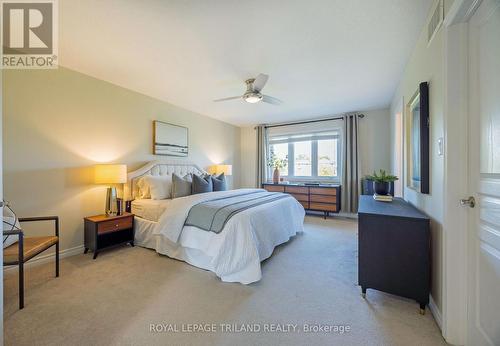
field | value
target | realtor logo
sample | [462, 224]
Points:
[29, 34]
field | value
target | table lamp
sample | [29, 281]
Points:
[219, 169]
[111, 174]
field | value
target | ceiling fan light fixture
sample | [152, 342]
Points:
[253, 93]
[252, 98]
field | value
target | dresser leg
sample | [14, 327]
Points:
[132, 243]
[95, 254]
[422, 309]
[363, 292]
[86, 250]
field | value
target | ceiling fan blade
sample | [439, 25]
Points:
[228, 98]
[260, 81]
[271, 100]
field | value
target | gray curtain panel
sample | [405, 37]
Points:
[351, 177]
[262, 168]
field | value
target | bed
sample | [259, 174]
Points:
[233, 245]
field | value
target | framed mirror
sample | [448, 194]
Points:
[417, 120]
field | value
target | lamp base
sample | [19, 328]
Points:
[111, 205]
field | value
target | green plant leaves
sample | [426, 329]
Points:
[382, 177]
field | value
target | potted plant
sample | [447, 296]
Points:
[382, 182]
[277, 163]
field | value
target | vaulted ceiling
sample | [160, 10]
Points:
[322, 57]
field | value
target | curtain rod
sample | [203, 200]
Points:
[309, 121]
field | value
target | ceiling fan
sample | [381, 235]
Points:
[253, 93]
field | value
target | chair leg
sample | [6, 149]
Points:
[57, 259]
[21, 285]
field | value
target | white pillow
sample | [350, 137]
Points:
[144, 190]
[160, 187]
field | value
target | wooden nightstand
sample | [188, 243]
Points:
[104, 231]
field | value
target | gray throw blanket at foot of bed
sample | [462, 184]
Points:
[214, 214]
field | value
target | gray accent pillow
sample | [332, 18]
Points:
[201, 184]
[181, 186]
[219, 183]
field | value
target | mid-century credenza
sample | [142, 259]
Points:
[324, 198]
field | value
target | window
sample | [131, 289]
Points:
[311, 156]
[281, 152]
[302, 163]
[327, 158]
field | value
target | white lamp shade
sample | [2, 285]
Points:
[110, 174]
[219, 169]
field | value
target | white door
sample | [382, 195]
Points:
[483, 306]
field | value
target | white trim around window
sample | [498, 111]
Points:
[291, 139]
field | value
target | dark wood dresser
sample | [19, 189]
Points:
[394, 249]
[325, 198]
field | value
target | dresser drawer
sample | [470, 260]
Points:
[304, 204]
[300, 197]
[114, 225]
[274, 188]
[322, 206]
[323, 191]
[296, 189]
[324, 198]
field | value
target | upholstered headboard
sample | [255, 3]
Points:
[157, 168]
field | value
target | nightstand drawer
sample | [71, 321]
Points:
[114, 225]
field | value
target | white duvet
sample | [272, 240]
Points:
[248, 237]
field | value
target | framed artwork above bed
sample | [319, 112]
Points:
[170, 139]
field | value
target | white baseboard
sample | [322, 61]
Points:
[435, 312]
[48, 257]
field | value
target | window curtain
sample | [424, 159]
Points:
[262, 168]
[351, 182]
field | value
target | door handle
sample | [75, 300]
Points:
[470, 202]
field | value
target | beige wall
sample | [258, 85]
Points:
[374, 146]
[374, 141]
[58, 123]
[426, 64]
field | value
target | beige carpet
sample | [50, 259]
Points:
[114, 299]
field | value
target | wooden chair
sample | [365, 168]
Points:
[28, 247]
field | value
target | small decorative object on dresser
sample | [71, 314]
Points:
[278, 164]
[382, 183]
[104, 231]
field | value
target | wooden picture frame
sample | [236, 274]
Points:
[417, 118]
[170, 139]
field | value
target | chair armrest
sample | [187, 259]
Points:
[43, 218]
[13, 232]
[38, 218]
